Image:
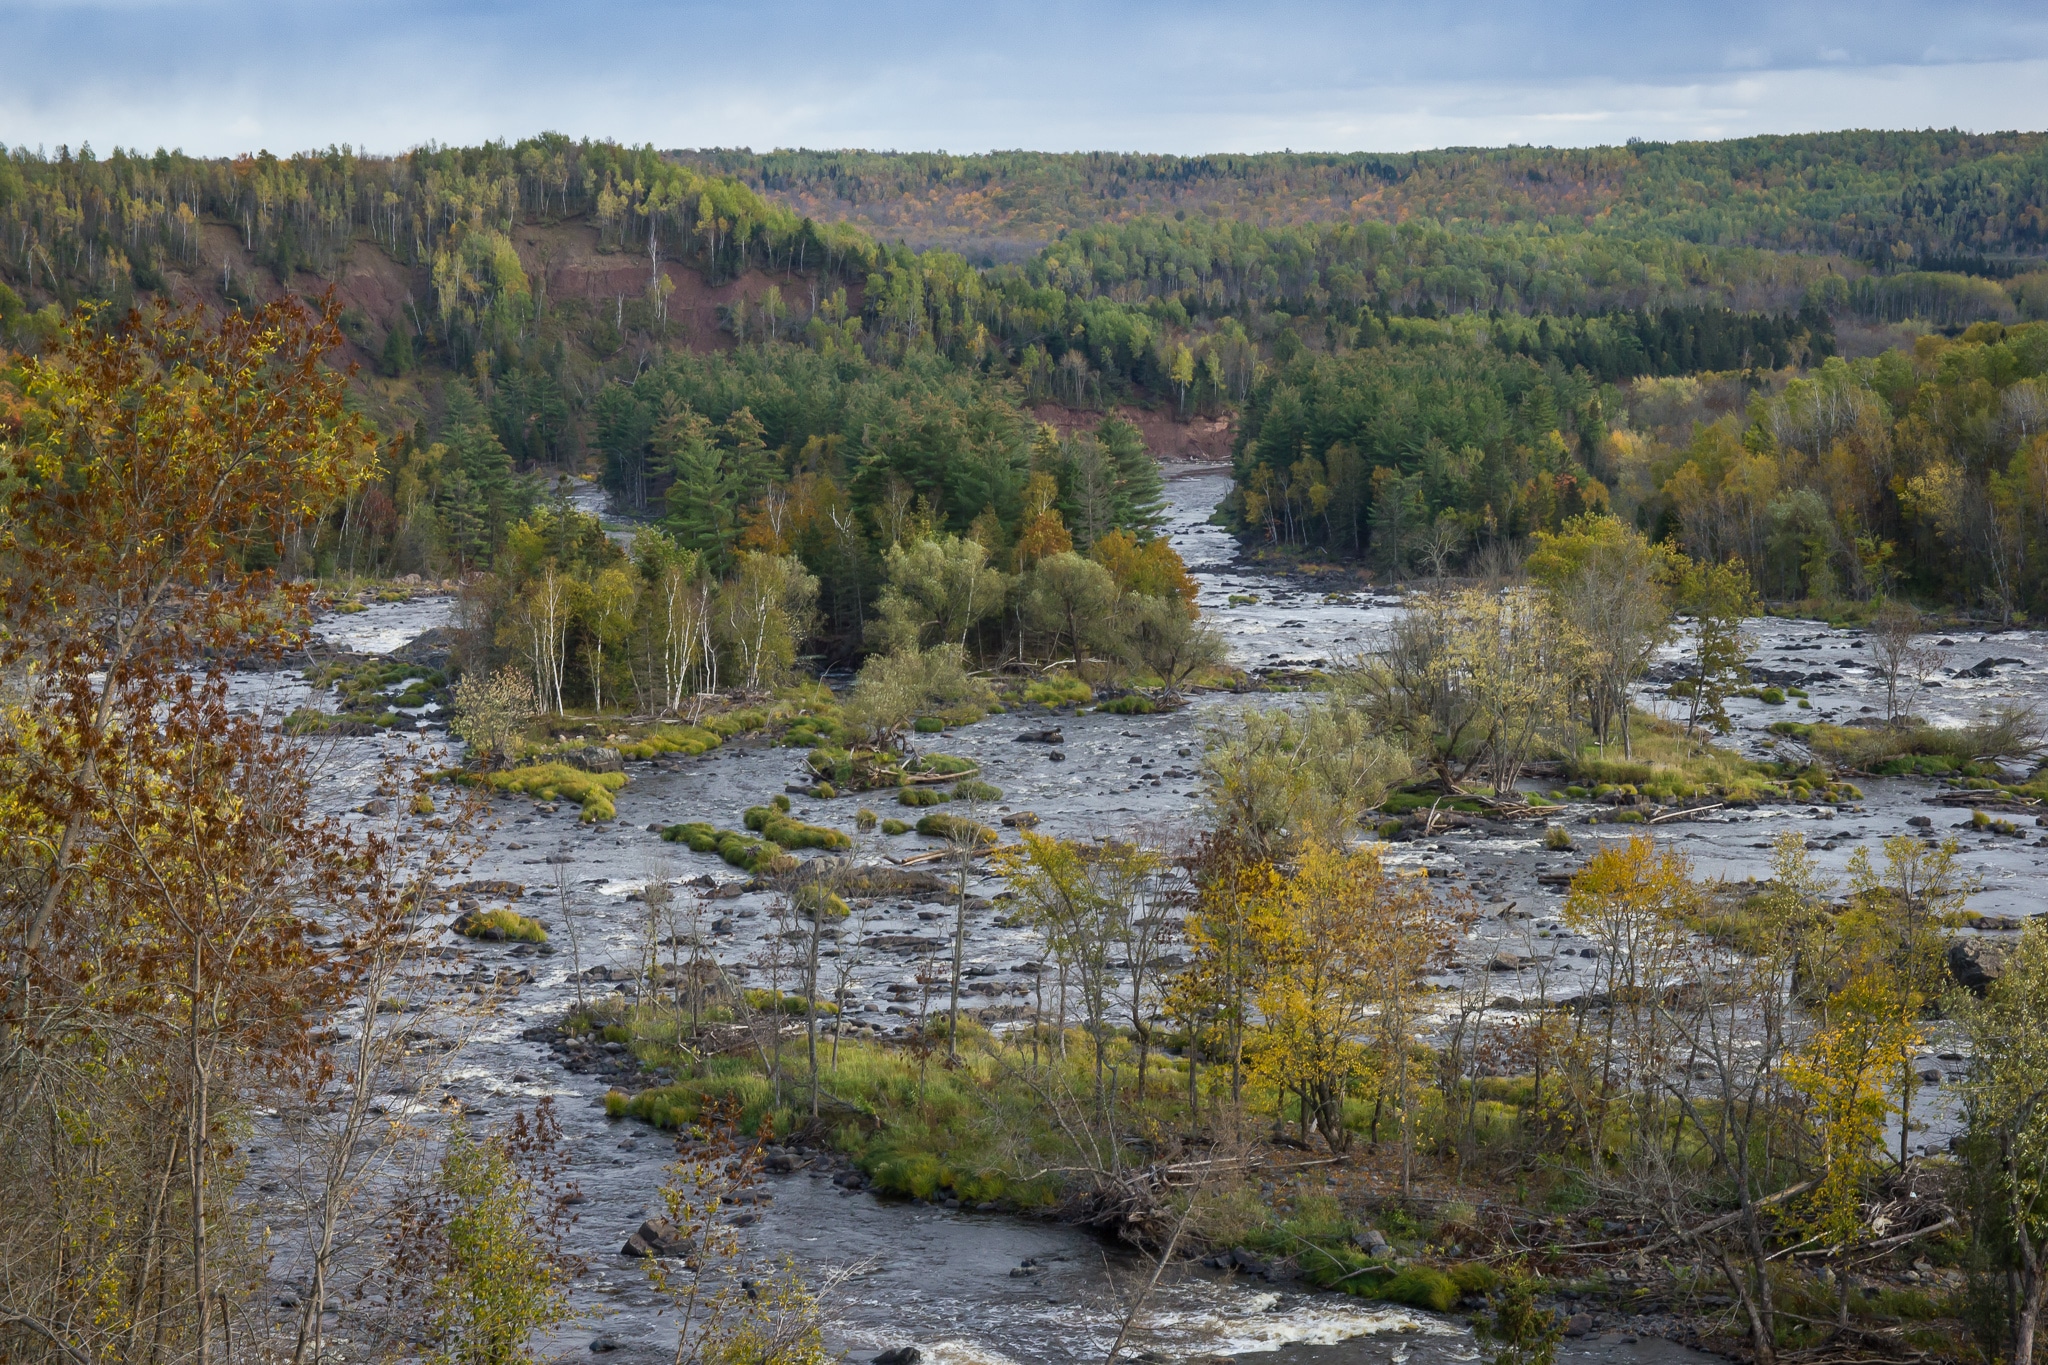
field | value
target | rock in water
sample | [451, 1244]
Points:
[656, 1237]
[1975, 963]
[593, 759]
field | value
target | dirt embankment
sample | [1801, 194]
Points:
[1202, 440]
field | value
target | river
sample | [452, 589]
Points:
[941, 1278]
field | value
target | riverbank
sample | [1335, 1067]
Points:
[1008, 1126]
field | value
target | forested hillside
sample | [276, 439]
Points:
[1930, 197]
[1426, 358]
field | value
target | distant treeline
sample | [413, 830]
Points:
[1877, 196]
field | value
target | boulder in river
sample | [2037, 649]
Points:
[594, 758]
[1975, 963]
[1984, 668]
[843, 876]
[656, 1237]
[429, 648]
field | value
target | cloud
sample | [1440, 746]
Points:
[231, 75]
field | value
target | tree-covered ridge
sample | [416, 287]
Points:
[1864, 193]
[76, 225]
[1919, 470]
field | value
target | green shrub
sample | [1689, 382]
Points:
[929, 725]
[1388, 829]
[1419, 1286]
[510, 923]
[815, 902]
[895, 827]
[940, 825]
[1131, 705]
[948, 765]
[1772, 696]
[865, 819]
[972, 789]
[922, 796]
[1557, 839]
[1475, 1277]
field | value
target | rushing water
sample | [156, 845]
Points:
[942, 1278]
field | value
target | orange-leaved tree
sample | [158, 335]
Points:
[163, 853]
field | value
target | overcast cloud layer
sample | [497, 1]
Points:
[228, 76]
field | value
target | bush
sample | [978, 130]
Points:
[945, 764]
[1420, 1286]
[895, 827]
[1557, 839]
[959, 830]
[916, 797]
[491, 710]
[1475, 1277]
[1772, 696]
[929, 725]
[508, 924]
[1132, 705]
[971, 789]
[815, 902]
[865, 819]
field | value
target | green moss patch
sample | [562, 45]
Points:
[740, 850]
[688, 740]
[958, 829]
[774, 824]
[1058, 690]
[555, 782]
[500, 924]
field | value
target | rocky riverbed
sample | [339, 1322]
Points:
[941, 1278]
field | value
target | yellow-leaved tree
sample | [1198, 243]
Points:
[1343, 948]
[1842, 1073]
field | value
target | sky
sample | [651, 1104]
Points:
[1186, 76]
